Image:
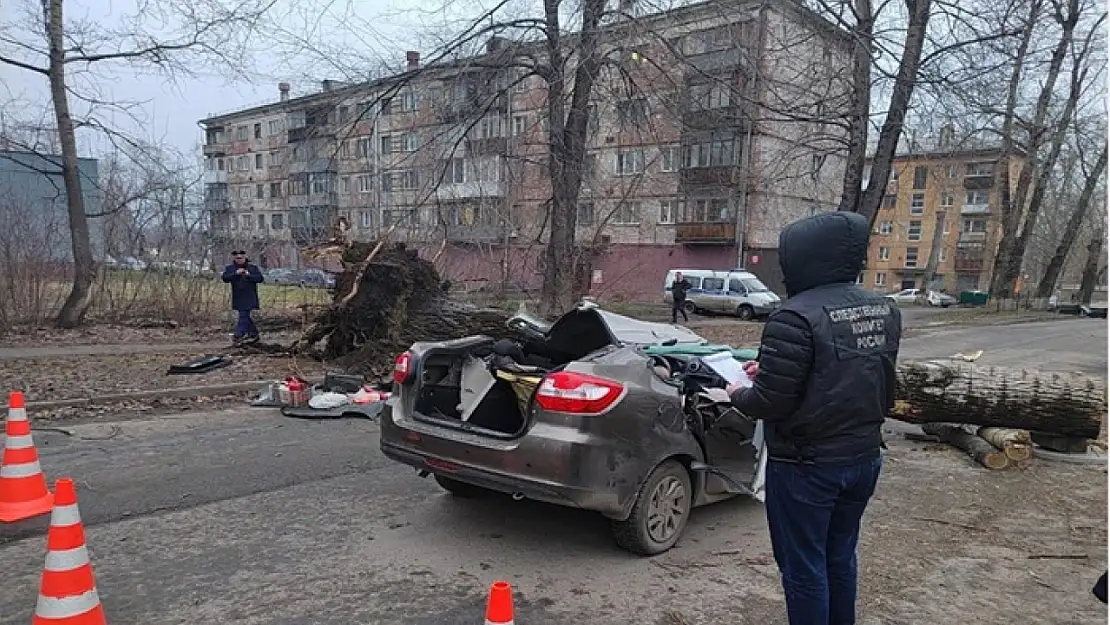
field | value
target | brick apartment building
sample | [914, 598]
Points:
[957, 188]
[696, 158]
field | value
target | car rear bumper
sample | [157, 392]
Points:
[558, 468]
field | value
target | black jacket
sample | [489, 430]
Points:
[679, 288]
[827, 359]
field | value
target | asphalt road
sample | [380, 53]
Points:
[246, 517]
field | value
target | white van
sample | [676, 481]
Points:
[728, 292]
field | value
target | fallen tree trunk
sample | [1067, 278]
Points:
[983, 452]
[1016, 444]
[1058, 403]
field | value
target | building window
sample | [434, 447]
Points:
[261, 222]
[632, 112]
[259, 161]
[947, 199]
[880, 278]
[363, 147]
[947, 227]
[630, 162]
[667, 211]
[259, 192]
[975, 226]
[275, 159]
[277, 220]
[585, 213]
[885, 227]
[345, 150]
[942, 255]
[920, 177]
[298, 185]
[490, 127]
[669, 156]
[345, 185]
[518, 125]
[714, 152]
[241, 133]
[454, 171]
[884, 253]
[977, 197]
[274, 126]
[913, 231]
[321, 183]
[342, 114]
[258, 130]
[410, 142]
[917, 204]
[275, 191]
[365, 183]
[911, 258]
[241, 163]
[890, 200]
[627, 214]
[953, 171]
[859, 279]
[365, 220]
[711, 96]
[387, 144]
[706, 211]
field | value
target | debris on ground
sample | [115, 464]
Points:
[200, 365]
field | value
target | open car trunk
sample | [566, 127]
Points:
[487, 386]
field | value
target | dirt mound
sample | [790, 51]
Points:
[400, 299]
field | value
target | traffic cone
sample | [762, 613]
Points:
[67, 593]
[499, 610]
[23, 492]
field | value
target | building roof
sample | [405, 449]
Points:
[692, 11]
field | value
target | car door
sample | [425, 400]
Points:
[714, 295]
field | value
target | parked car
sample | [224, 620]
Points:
[280, 276]
[596, 411]
[732, 292]
[905, 296]
[942, 300]
[317, 278]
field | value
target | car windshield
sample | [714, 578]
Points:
[753, 285]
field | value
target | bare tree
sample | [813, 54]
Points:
[205, 30]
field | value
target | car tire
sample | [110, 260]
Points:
[745, 312]
[667, 493]
[690, 308]
[459, 489]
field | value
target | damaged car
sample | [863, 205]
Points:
[596, 411]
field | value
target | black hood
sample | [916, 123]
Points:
[823, 249]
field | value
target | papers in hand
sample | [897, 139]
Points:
[728, 368]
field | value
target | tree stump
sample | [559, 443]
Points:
[1059, 403]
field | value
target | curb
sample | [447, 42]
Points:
[188, 391]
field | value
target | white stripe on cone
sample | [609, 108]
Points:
[66, 559]
[65, 515]
[17, 414]
[19, 442]
[66, 607]
[26, 469]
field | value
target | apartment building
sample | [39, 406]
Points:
[695, 157]
[947, 199]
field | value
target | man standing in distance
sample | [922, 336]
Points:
[678, 292]
[823, 385]
[244, 278]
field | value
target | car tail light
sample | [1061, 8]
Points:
[401, 367]
[577, 393]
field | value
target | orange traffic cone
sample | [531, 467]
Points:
[67, 593]
[23, 491]
[499, 610]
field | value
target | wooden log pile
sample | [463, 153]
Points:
[989, 412]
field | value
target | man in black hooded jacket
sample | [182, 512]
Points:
[822, 386]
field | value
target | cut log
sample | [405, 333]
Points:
[1016, 444]
[983, 452]
[1069, 404]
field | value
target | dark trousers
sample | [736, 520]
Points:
[813, 513]
[678, 306]
[245, 327]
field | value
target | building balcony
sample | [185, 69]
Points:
[215, 149]
[972, 238]
[476, 189]
[716, 61]
[695, 118]
[975, 209]
[492, 145]
[722, 176]
[978, 182]
[215, 177]
[968, 264]
[705, 233]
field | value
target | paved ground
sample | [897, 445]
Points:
[245, 517]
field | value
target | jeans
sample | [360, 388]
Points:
[678, 307]
[814, 513]
[245, 327]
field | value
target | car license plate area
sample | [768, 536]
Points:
[442, 465]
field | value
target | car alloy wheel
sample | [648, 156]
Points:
[667, 509]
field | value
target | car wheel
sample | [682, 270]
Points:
[745, 312]
[689, 308]
[660, 513]
[461, 489]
